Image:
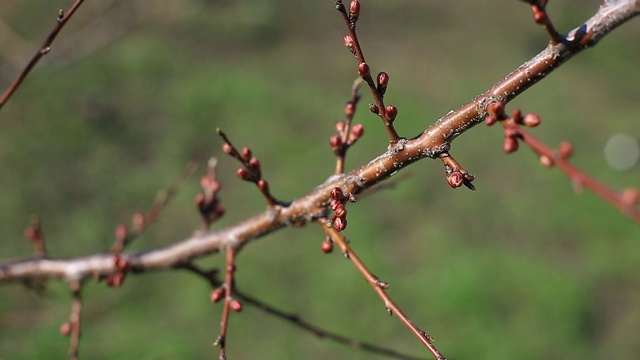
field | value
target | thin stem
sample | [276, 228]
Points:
[44, 49]
[380, 288]
[74, 319]
[145, 220]
[582, 179]
[228, 288]
[377, 97]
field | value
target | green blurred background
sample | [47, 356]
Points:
[132, 91]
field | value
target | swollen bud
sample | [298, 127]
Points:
[531, 120]
[383, 82]
[565, 150]
[363, 70]
[510, 145]
[357, 131]
[546, 161]
[235, 305]
[349, 43]
[327, 246]
[391, 112]
[455, 179]
[335, 141]
[354, 10]
[340, 223]
[216, 295]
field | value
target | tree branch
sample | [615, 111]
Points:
[431, 143]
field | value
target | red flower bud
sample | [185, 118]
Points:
[327, 246]
[246, 153]
[227, 149]
[263, 185]
[337, 194]
[349, 109]
[490, 120]
[340, 125]
[334, 204]
[496, 108]
[349, 43]
[65, 328]
[363, 69]
[383, 82]
[546, 161]
[510, 145]
[565, 150]
[354, 10]
[391, 112]
[335, 141]
[254, 163]
[383, 79]
[243, 174]
[631, 196]
[235, 305]
[340, 224]
[531, 120]
[516, 115]
[539, 16]
[216, 295]
[357, 131]
[341, 211]
[455, 179]
[231, 268]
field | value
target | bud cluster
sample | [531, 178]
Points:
[116, 279]
[496, 112]
[339, 219]
[207, 202]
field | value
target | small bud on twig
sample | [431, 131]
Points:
[363, 70]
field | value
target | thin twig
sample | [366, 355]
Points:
[580, 179]
[44, 49]
[229, 302]
[124, 235]
[295, 320]
[75, 319]
[353, 44]
[380, 287]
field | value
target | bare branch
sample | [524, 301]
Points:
[431, 143]
[44, 49]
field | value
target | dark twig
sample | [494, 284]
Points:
[230, 303]
[211, 277]
[252, 171]
[347, 134]
[71, 327]
[207, 202]
[380, 287]
[44, 49]
[378, 88]
[625, 201]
